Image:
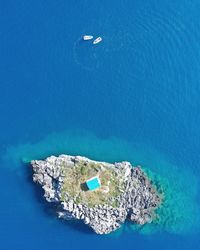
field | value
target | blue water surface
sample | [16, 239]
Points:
[141, 86]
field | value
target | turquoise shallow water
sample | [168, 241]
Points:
[133, 97]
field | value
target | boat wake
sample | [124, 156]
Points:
[85, 55]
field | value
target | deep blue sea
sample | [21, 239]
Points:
[135, 96]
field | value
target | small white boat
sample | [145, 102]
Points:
[87, 37]
[97, 40]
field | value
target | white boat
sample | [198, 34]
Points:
[87, 37]
[97, 40]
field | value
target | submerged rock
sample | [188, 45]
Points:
[125, 191]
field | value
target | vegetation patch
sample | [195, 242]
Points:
[75, 184]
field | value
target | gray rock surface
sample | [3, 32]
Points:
[137, 202]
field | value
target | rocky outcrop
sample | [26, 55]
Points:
[137, 201]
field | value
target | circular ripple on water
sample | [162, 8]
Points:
[163, 47]
[85, 54]
[91, 57]
[170, 45]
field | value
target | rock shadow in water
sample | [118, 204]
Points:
[48, 208]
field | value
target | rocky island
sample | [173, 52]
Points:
[101, 194]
